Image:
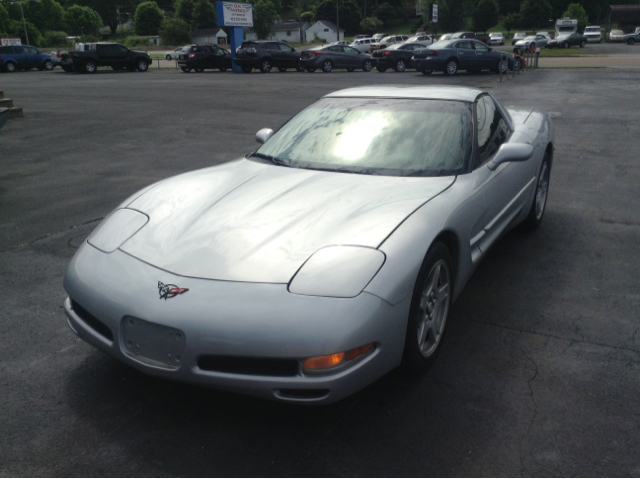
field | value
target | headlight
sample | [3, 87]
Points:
[117, 228]
[337, 272]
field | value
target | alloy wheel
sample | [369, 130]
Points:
[434, 308]
[542, 190]
[327, 66]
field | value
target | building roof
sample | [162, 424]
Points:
[287, 26]
[331, 25]
[208, 32]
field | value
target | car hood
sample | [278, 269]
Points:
[255, 222]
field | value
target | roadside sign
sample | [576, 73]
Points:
[434, 13]
[233, 14]
[10, 41]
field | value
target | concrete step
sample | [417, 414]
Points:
[16, 113]
[6, 103]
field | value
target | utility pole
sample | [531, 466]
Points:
[300, 21]
[24, 24]
[338, 18]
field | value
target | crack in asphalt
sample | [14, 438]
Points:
[582, 340]
[49, 235]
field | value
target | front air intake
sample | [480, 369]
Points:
[249, 366]
[91, 321]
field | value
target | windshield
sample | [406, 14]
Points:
[395, 46]
[530, 38]
[592, 29]
[616, 32]
[376, 136]
[386, 39]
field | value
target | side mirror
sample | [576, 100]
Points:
[263, 135]
[490, 49]
[511, 152]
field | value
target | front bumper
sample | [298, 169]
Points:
[593, 38]
[235, 320]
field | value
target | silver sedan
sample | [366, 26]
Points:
[532, 42]
[306, 270]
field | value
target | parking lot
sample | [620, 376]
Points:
[539, 374]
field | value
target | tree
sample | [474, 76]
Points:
[175, 31]
[451, 14]
[306, 17]
[264, 15]
[370, 25]
[16, 29]
[576, 12]
[184, 10]
[4, 20]
[148, 18]
[350, 16]
[204, 14]
[108, 10]
[45, 14]
[386, 13]
[83, 21]
[511, 21]
[485, 15]
[535, 14]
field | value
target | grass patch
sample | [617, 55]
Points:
[563, 52]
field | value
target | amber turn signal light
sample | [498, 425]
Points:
[332, 360]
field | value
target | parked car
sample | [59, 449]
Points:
[363, 44]
[616, 36]
[496, 38]
[390, 40]
[23, 57]
[544, 34]
[378, 36]
[423, 38]
[360, 36]
[264, 55]
[446, 36]
[202, 57]
[397, 56]
[450, 56]
[312, 267]
[518, 36]
[484, 39]
[329, 57]
[113, 55]
[632, 38]
[593, 34]
[567, 40]
[175, 54]
[532, 42]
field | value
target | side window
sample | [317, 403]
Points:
[285, 48]
[105, 49]
[350, 50]
[464, 45]
[481, 47]
[492, 128]
[335, 48]
[120, 49]
[17, 50]
[6, 50]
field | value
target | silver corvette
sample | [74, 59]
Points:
[308, 269]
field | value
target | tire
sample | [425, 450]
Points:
[300, 68]
[282, 69]
[517, 65]
[265, 66]
[350, 69]
[367, 66]
[381, 69]
[247, 69]
[502, 66]
[566, 45]
[631, 41]
[89, 67]
[429, 311]
[199, 67]
[583, 44]
[10, 67]
[327, 66]
[185, 69]
[311, 70]
[115, 68]
[536, 213]
[167, 57]
[426, 72]
[142, 66]
[48, 65]
[222, 69]
[400, 66]
[451, 67]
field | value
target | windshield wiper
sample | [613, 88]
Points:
[272, 159]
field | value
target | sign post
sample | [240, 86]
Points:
[434, 17]
[234, 15]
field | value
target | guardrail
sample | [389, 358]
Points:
[529, 62]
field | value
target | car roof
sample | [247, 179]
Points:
[432, 92]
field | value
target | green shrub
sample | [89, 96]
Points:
[136, 42]
[174, 32]
[56, 39]
[148, 18]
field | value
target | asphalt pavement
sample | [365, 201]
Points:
[539, 374]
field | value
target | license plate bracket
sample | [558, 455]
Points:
[152, 343]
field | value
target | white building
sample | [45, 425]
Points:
[210, 36]
[325, 30]
[290, 31]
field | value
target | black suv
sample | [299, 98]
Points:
[200, 57]
[111, 55]
[266, 55]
